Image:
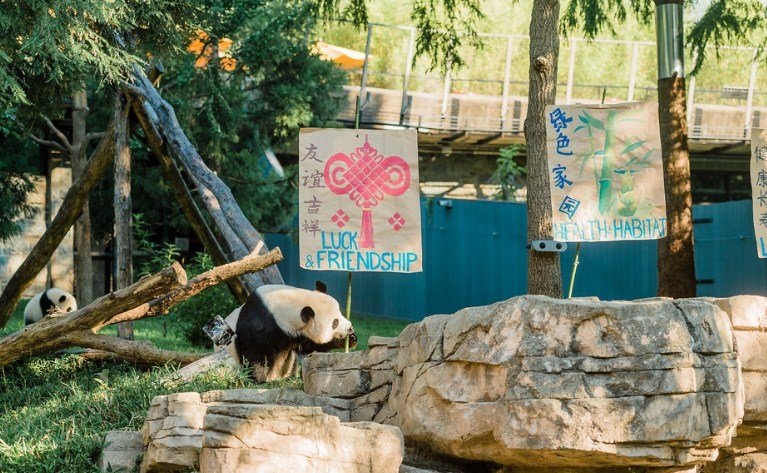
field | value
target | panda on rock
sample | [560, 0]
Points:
[279, 322]
[43, 303]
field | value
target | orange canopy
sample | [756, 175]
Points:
[345, 58]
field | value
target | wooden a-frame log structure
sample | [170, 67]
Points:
[166, 139]
[243, 246]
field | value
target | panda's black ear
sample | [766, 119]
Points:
[307, 313]
[320, 287]
[62, 298]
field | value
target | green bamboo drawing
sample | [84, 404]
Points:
[613, 171]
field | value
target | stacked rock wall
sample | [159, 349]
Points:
[256, 430]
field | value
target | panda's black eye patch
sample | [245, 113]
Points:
[335, 324]
[62, 298]
[69, 309]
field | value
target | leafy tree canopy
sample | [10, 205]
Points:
[720, 22]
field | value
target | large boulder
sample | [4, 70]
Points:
[748, 451]
[259, 430]
[535, 382]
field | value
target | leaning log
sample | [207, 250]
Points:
[68, 213]
[216, 194]
[184, 197]
[50, 333]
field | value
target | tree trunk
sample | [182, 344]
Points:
[142, 352]
[676, 257]
[68, 213]
[83, 262]
[544, 275]
[123, 208]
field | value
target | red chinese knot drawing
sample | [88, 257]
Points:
[367, 177]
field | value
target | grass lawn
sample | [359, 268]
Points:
[54, 411]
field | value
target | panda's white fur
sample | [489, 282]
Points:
[278, 322]
[43, 303]
[286, 303]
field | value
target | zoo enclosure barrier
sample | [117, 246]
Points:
[474, 253]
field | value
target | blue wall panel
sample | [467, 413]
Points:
[474, 254]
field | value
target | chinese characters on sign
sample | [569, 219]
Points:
[759, 188]
[359, 200]
[605, 172]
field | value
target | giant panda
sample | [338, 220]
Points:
[278, 322]
[43, 303]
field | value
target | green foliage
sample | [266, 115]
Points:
[443, 26]
[722, 22]
[54, 411]
[49, 49]
[508, 173]
[728, 22]
[15, 180]
[192, 314]
[592, 17]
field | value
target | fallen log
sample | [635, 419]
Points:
[251, 263]
[142, 352]
[149, 297]
[50, 334]
[68, 213]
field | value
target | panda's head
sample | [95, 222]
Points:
[62, 300]
[311, 314]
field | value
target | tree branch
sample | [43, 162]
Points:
[48, 143]
[61, 136]
[250, 264]
[92, 136]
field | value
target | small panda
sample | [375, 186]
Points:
[51, 300]
[277, 323]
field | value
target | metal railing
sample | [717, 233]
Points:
[729, 118]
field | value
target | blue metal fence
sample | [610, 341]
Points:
[474, 254]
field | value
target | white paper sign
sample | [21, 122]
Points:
[605, 172]
[359, 204]
[759, 188]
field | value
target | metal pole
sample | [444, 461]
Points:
[691, 100]
[406, 77]
[348, 305]
[570, 72]
[364, 81]
[506, 80]
[446, 91]
[750, 98]
[633, 73]
[577, 259]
